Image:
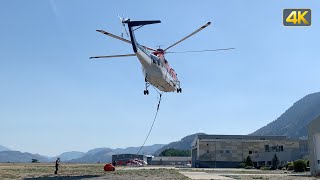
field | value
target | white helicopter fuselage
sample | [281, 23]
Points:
[155, 71]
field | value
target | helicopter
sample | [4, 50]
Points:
[155, 66]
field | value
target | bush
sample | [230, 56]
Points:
[307, 163]
[281, 167]
[265, 168]
[242, 165]
[289, 166]
[249, 167]
[299, 165]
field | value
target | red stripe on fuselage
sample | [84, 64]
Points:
[160, 54]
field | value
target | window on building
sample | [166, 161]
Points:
[266, 148]
[250, 152]
[227, 151]
[207, 144]
[318, 161]
[221, 151]
[207, 151]
[255, 151]
[280, 148]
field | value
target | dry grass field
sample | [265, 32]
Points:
[45, 171]
[81, 171]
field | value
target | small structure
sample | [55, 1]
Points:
[170, 160]
[227, 151]
[314, 146]
[123, 159]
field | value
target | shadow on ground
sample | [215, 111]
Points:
[62, 177]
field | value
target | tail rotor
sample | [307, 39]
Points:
[123, 26]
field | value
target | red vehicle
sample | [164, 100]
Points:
[109, 167]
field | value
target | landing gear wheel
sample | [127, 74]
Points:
[179, 90]
[146, 92]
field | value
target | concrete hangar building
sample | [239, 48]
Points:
[314, 146]
[224, 151]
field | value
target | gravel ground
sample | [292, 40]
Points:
[83, 171]
[95, 171]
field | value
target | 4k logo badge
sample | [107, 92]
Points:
[297, 17]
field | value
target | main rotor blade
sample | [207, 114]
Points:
[113, 56]
[226, 49]
[121, 39]
[114, 36]
[202, 27]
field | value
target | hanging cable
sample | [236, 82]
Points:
[154, 120]
[155, 117]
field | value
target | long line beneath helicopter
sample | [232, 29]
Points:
[151, 127]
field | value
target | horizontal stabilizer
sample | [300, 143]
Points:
[141, 23]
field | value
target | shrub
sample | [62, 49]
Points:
[265, 168]
[289, 166]
[275, 162]
[249, 161]
[242, 165]
[281, 167]
[299, 165]
[249, 167]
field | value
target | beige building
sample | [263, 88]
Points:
[314, 145]
[231, 150]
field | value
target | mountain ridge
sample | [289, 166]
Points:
[294, 121]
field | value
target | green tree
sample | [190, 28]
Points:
[249, 161]
[275, 162]
[34, 160]
[175, 152]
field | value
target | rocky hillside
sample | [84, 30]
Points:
[293, 123]
[2, 148]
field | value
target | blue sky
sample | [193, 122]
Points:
[54, 99]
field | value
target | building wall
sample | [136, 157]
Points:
[314, 146]
[170, 160]
[231, 152]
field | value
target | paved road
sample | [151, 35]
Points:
[203, 175]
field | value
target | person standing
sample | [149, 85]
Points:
[57, 165]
